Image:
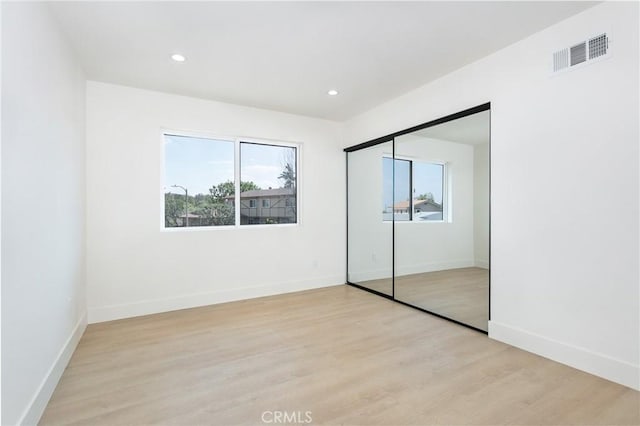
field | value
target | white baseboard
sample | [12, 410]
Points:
[482, 263]
[432, 267]
[598, 364]
[155, 306]
[38, 403]
[402, 270]
[376, 274]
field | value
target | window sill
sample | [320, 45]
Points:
[226, 227]
[417, 221]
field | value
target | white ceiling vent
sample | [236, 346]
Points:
[560, 60]
[598, 46]
[581, 53]
[578, 53]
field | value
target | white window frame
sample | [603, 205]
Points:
[237, 140]
[446, 190]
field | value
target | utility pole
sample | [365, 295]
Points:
[186, 203]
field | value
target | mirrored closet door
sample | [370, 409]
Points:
[427, 244]
[370, 233]
[442, 248]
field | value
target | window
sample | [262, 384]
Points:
[201, 190]
[412, 191]
[199, 183]
[269, 171]
[397, 189]
[428, 191]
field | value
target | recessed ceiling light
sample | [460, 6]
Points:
[332, 92]
[178, 58]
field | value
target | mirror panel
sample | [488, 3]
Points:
[370, 243]
[442, 243]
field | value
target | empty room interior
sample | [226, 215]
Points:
[340, 213]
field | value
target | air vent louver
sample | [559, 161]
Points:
[578, 53]
[596, 47]
[560, 59]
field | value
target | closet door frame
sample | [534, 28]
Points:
[379, 293]
[391, 138]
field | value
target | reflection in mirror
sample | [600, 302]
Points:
[369, 235]
[396, 178]
[442, 247]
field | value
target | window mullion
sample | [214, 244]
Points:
[236, 171]
[410, 190]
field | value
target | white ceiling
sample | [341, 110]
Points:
[470, 130]
[286, 55]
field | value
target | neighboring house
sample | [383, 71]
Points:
[419, 206]
[422, 210]
[262, 206]
[194, 220]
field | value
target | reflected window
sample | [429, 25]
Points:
[428, 191]
[397, 189]
[412, 191]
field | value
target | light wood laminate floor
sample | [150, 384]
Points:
[461, 294]
[347, 356]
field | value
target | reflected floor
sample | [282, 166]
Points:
[382, 285]
[461, 294]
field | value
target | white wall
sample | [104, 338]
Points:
[134, 268]
[43, 278]
[481, 205]
[564, 277]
